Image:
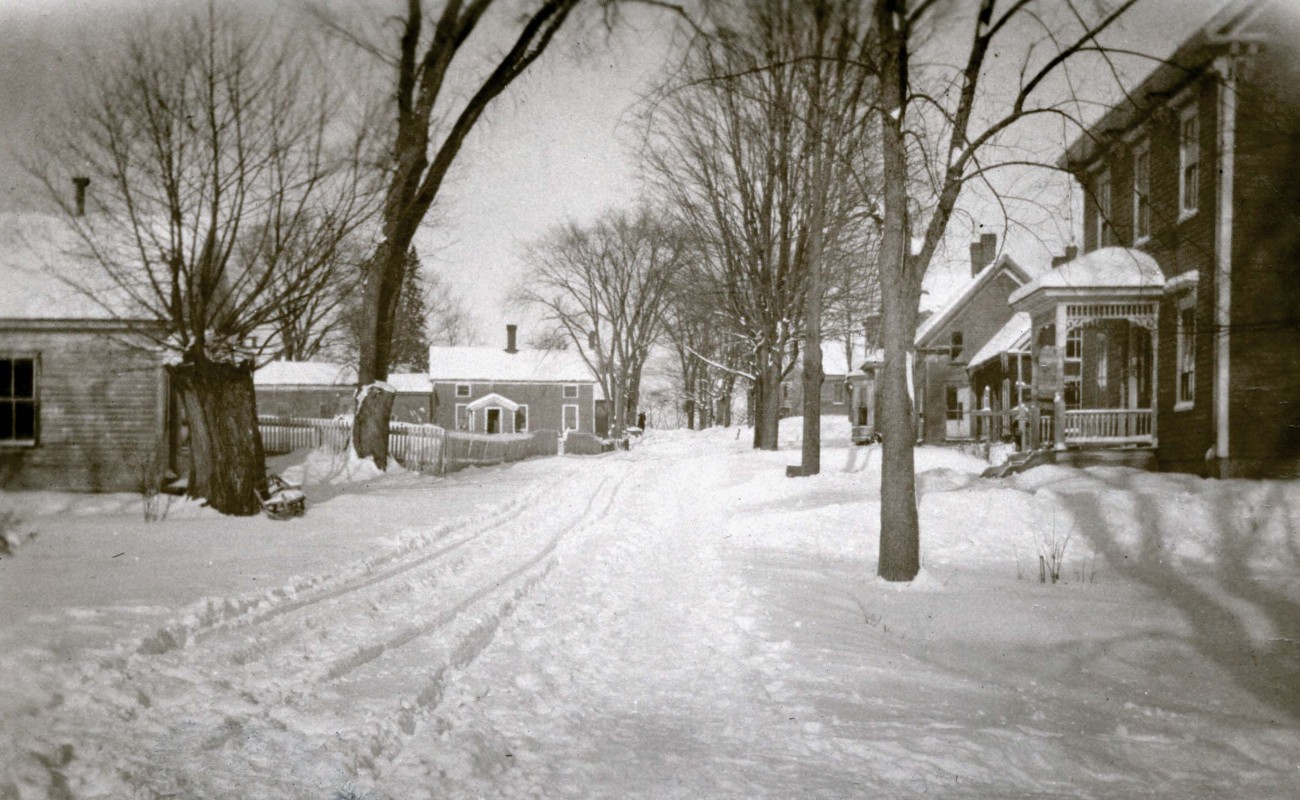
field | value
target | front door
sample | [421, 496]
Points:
[494, 420]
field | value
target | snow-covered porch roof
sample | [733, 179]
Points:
[493, 400]
[1013, 337]
[1106, 275]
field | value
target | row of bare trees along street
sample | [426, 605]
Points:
[803, 160]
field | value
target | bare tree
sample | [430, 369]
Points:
[221, 189]
[451, 322]
[750, 148]
[708, 361]
[427, 131]
[940, 129]
[606, 285]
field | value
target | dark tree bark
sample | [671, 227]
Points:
[226, 455]
[419, 167]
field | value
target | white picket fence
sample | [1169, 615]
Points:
[426, 448]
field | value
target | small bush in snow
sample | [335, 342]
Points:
[1052, 545]
[10, 534]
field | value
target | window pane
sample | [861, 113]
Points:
[25, 420]
[6, 420]
[24, 377]
[6, 377]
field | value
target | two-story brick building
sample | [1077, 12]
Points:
[1178, 327]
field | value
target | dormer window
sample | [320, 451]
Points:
[1189, 161]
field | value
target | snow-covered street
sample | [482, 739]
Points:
[680, 620]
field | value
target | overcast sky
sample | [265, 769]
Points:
[559, 145]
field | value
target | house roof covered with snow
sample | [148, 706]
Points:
[1011, 338]
[47, 274]
[1003, 265]
[1107, 269]
[326, 373]
[495, 364]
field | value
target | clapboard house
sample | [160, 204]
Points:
[83, 392]
[324, 390]
[1177, 328]
[946, 340]
[509, 390]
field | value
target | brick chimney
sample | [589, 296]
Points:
[79, 184]
[983, 252]
[1071, 253]
[511, 333]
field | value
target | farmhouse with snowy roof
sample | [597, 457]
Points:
[323, 389]
[83, 392]
[1176, 331]
[492, 390]
[948, 338]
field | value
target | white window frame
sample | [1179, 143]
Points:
[1142, 192]
[1185, 360]
[461, 411]
[524, 408]
[1189, 157]
[571, 391]
[1073, 367]
[463, 386]
[838, 393]
[577, 417]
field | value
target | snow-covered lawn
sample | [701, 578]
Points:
[681, 620]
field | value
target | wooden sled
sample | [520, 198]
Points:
[281, 499]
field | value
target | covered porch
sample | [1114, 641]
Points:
[1093, 351]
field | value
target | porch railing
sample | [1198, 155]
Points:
[1108, 425]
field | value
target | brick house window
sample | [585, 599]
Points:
[521, 419]
[1189, 161]
[462, 390]
[1142, 192]
[570, 391]
[1186, 344]
[1101, 193]
[570, 417]
[18, 379]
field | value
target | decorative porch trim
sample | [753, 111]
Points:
[1078, 315]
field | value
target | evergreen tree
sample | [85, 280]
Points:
[410, 352]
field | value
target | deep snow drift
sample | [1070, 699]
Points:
[681, 620]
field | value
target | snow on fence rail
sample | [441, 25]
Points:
[426, 448]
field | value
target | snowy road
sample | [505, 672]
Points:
[680, 621]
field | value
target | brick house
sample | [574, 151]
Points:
[492, 390]
[946, 340]
[83, 391]
[1177, 328]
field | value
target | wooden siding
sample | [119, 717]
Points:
[100, 413]
[545, 402]
[327, 402]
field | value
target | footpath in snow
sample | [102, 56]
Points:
[678, 621]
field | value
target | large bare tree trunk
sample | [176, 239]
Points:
[381, 290]
[226, 459]
[767, 411]
[900, 533]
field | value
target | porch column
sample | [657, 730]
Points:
[1035, 353]
[1058, 398]
[1154, 389]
